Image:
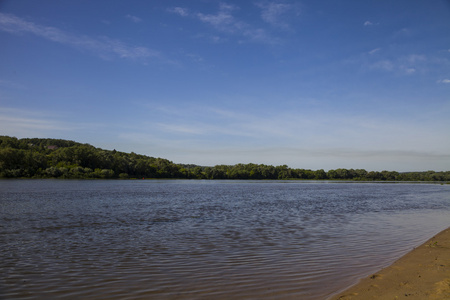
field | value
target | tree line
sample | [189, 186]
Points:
[57, 158]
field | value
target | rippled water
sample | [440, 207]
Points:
[206, 239]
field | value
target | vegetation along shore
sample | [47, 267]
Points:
[57, 158]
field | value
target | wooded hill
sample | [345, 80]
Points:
[56, 158]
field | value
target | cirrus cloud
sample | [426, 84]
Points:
[225, 22]
[104, 47]
[134, 18]
[274, 12]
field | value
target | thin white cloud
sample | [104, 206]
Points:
[103, 47]
[409, 70]
[371, 52]
[385, 65]
[182, 128]
[134, 18]
[225, 22]
[274, 12]
[404, 32]
[295, 128]
[370, 24]
[24, 123]
[406, 65]
[259, 35]
[30, 123]
[447, 81]
[184, 12]
[415, 58]
[211, 136]
[194, 57]
[20, 122]
[344, 151]
[412, 63]
[217, 39]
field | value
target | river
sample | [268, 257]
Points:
[182, 239]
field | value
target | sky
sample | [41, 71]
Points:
[309, 84]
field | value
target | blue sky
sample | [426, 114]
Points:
[311, 84]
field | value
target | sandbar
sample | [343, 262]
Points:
[423, 273]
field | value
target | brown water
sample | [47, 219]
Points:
[206, 239]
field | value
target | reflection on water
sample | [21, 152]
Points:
[206, 239]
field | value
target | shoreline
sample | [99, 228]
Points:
[423, 273]
[255, 180]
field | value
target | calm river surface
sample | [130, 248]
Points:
[180, 239]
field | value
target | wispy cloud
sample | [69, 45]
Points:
[225, 22]
[103, 47]
[182, 128]
[20, 122]
[396, 66]
[415, 58]
[274, 12]
[410, 64]
[134, 18]
[446, 81]
[370, 24]
[373, 51]
[184, 12]
[407, 65]
[224, 19]
[293, 128]
[404, 32]
[30, 123]
[409, 70]
[385, 65]
[214, 135]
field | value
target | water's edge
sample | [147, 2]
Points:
[384, 266]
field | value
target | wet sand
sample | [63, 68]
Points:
[423, 273]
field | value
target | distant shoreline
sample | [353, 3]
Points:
[423, 273]
[64, 159]
[243, 180]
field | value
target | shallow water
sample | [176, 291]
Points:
[181, 239]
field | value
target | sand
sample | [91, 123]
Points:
[423, 273]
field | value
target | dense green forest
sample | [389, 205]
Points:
[56, 158]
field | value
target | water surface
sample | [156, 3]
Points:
[180, 239]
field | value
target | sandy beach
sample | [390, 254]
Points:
[423, 273]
